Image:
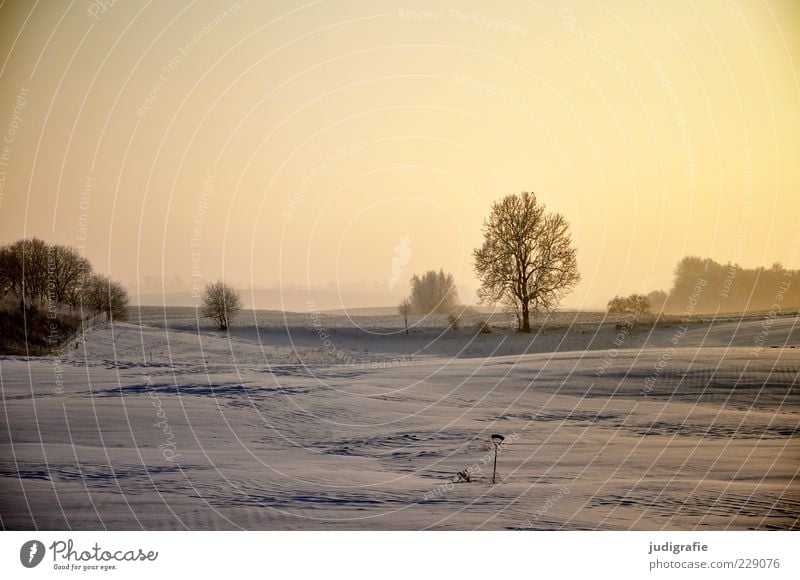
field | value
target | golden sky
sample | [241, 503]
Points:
[355, 143]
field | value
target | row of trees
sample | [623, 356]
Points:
[709, 287]
[731, 288]
[527, 262]
[37, 274]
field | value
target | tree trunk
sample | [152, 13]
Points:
[526, 324]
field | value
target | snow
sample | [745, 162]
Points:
[296, 422]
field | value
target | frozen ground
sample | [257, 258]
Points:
[172, 425]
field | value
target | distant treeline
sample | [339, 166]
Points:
[705, 286]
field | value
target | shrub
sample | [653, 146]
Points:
[33, 331]
[434, 292]
[462, 477]
[483, 327]
[454, 321]
[633, 304]
[221, 303]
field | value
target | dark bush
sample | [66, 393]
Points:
[34, 332]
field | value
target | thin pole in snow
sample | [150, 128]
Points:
[496, 440]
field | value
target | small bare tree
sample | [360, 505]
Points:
[102, 295]
[221, 303]
[527, 259]
[405, 309]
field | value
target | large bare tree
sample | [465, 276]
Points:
[527, 259]
[221, 303]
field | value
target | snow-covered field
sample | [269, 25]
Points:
[327, 422]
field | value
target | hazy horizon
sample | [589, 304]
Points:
[350, 146]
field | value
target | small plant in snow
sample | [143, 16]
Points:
[462, 477]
